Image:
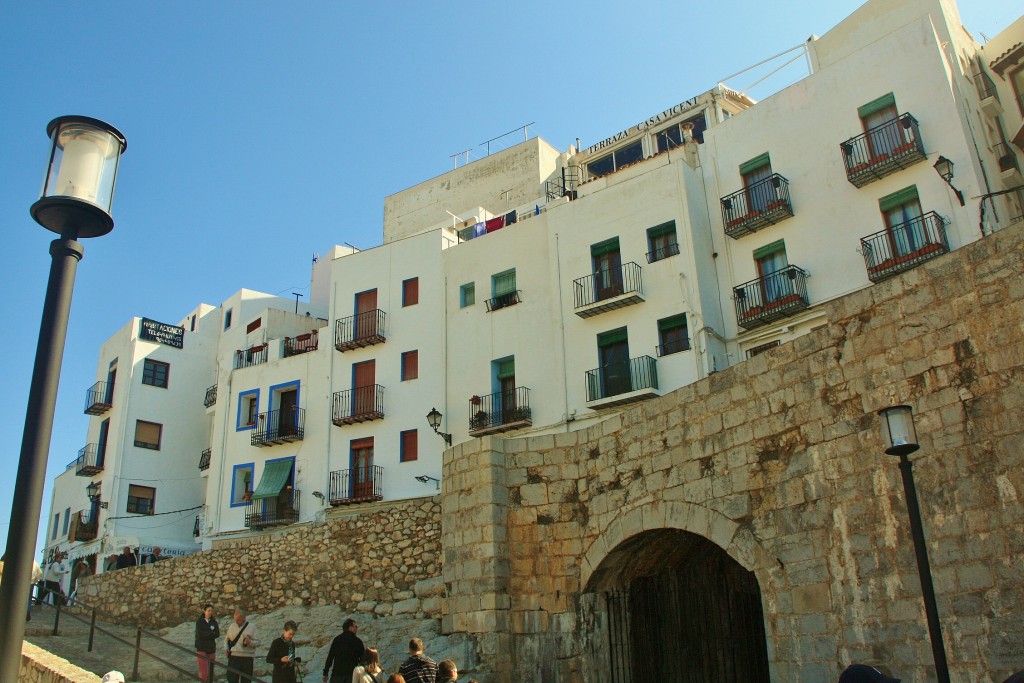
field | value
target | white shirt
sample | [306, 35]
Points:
[55, 571]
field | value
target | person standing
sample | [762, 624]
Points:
[369, 671]
[207, 633]
[282, 654]
[54, 574]
[154, 556]
[240, 647]
[418, 668]
[345, 654]
[126, 558]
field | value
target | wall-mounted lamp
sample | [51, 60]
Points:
[900, 438]
[93, 489]
[434, 420]
[423, 479]
[944, 167]
[319, 496]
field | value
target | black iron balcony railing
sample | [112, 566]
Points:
[902, 247]
[204, 459]
[86, 525]
[90, 460]
[361, 404]
[883, 150]
[499, 412]
[986, 88]
[772, 297]
[304, 343]
[98, 398]
[356, 485]
[622, 378]
[610, 288]
[1006, 158]
[278, 426]
[277, 511]
[659, 253]
[254, 355]
[211, 396]
[503, 301]
[357, 331]
[674, 346]
[756, 206]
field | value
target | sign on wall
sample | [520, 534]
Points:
[162, 333]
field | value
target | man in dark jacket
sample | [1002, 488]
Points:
[345, 653]
[126, 559]
[418, 668]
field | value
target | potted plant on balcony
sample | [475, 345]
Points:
[479, 420]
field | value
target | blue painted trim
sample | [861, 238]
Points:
[278, 388]
[239, 425]
[287, 457]
[251, 466]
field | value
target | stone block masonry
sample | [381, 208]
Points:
[778, 462]
[379, 560]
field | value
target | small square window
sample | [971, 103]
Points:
[141, 500]
[409, 447]
[410, 365]
[661, 242]
[672, 335]
[147, 434]
[411, 291]
[56, 526]
[227, 319]
[67, 520]
[248, 409]
[241, 484]
[155, 373]
[467, 294]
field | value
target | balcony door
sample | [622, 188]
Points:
[613, 356]
[364, 380]
[366, 318]
[760, 193]
[287, 413]
[101, 443]
[362, 468]
[903, 218]
[771, 262]
[607, 262]
[506, 380]
[882, 131]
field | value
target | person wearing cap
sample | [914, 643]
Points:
[113, 677]
[863, 673]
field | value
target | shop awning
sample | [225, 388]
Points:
[275, 476]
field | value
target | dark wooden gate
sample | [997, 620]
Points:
[698, 622]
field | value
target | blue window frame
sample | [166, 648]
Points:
[241, 481]
[248, 409]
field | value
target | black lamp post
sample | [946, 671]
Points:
[434, 420]
[901, 439]
[78, 190]
[944, 167]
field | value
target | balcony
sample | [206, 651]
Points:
[499, 412]
[84, 526]
[772, 297]
[277, 427]
[503, 301]
[204, 459]
[756, 206]
[890, 252]
[98, 398]
[883, 150]
[1009, 168]
[357, 331]
[281, 510]
[90, 460]
[357, 485]
[304, 343]
[607, 290]
[254, 355]
[987, 94]
[624, 382]
[361, 404]
[211, 396]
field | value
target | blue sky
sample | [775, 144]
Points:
[259, 133]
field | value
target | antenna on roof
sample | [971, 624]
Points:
[296, 295]
[316, 257]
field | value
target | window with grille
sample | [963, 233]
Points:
[141, 499]
[673, 335]
[662, 242]
[467, 294]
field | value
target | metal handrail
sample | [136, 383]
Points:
[137, 646]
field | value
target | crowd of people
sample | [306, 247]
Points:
[348, 659]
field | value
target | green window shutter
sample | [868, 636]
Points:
[505, 282]
[613, 337]
[755, 163]
[891, 201]
[507, 368]
[606, 247]
[767, 249]
[275, 476]
[673, 323]
[663, 229]
[876, 105]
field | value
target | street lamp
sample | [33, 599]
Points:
[78, 190]
[434, 420]
[944, 167]
[900, 439]
[424, 478]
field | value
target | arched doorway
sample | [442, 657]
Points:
[671, 605]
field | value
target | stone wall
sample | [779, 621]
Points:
[778, 461]
[383, 559]
[39, 666]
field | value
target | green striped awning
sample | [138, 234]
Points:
[612, 337]
[275, 476]
[755, 163]
[505, 283]
[672, 323]
[506, 369]
[606, 247]
[876, 105]
[891, 201]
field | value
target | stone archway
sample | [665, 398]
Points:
[669, 604]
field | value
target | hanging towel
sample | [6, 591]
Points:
[536, 210]
[510, 217]
[479, 229]
[495, 224]
[466, 234]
